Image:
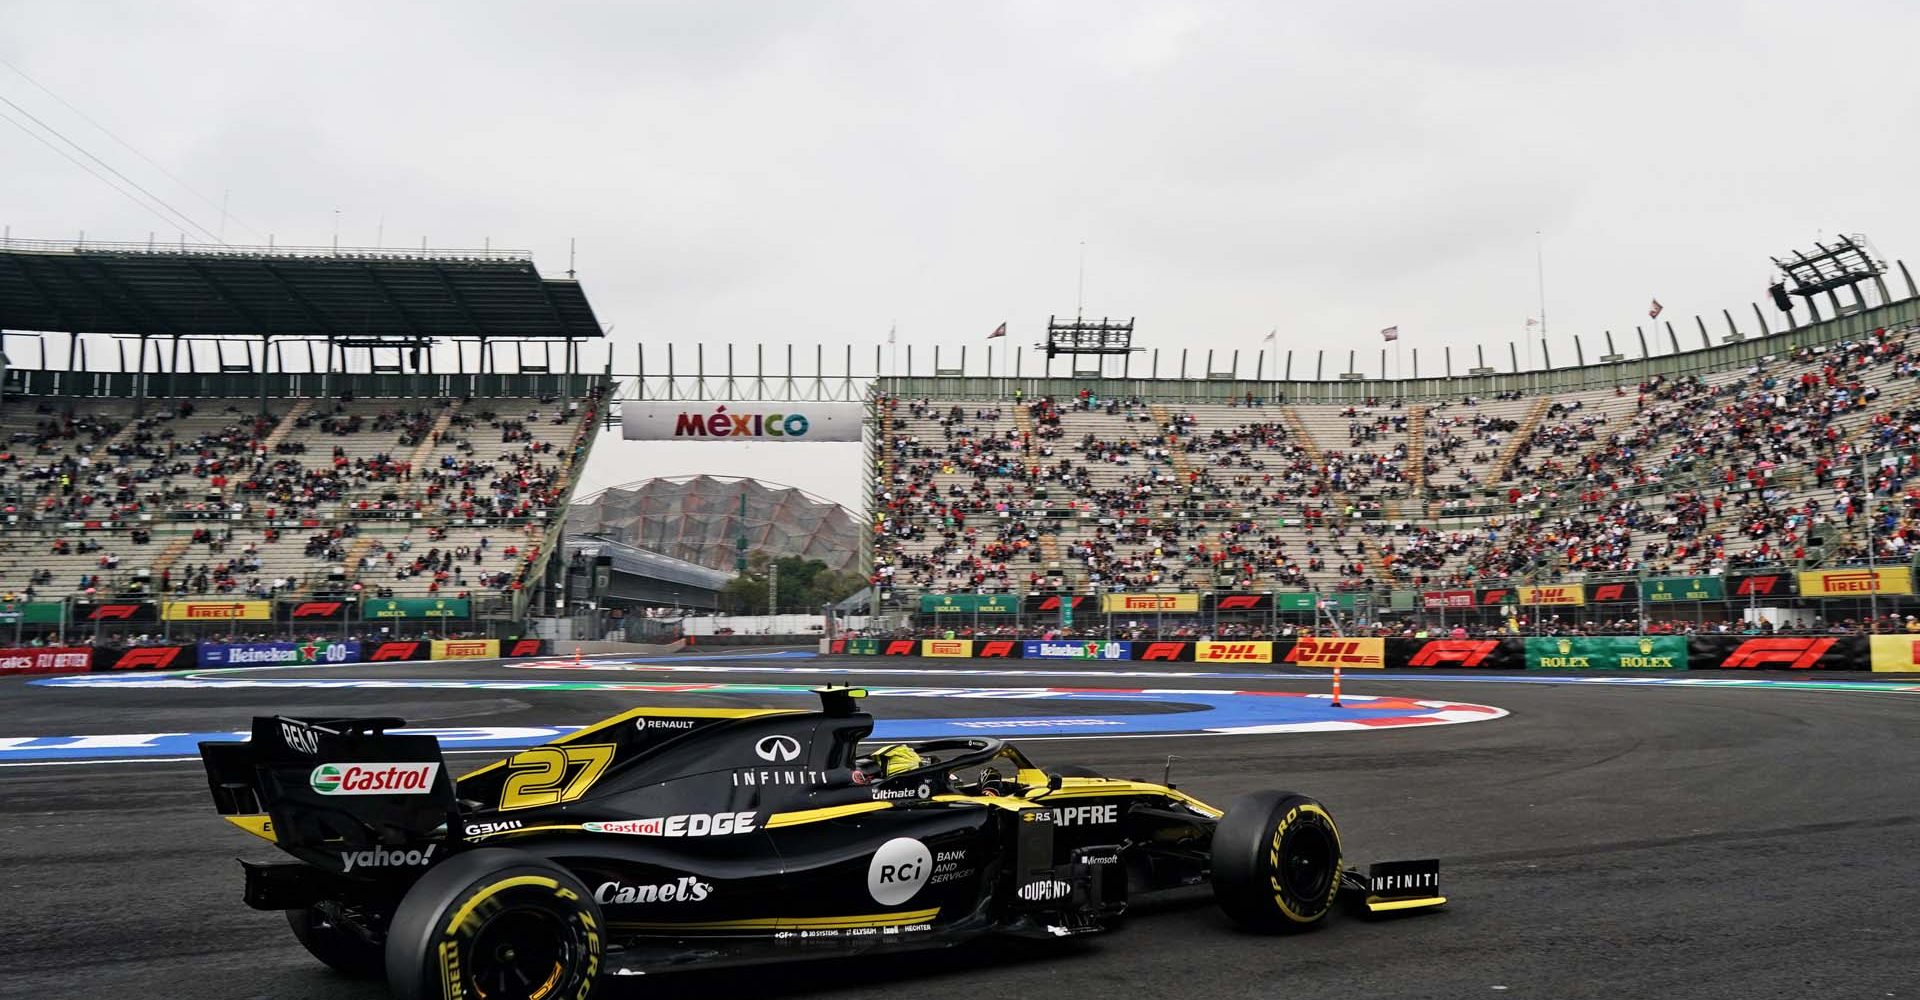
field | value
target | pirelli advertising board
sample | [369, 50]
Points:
[1894, 654]
[1554, 596]
[1856, 582]
[1646, 652]
[216, 611]
[959, 649]
[1146, 604]
[466, 649]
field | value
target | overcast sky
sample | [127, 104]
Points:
[802, 173]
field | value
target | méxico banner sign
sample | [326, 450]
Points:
[737, 420]
[1646, 652]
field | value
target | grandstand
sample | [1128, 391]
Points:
[1738, 458]
[367, 474]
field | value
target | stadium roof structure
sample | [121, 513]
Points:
[357, 297]
[701, 519]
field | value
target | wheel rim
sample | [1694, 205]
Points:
[520, 954]
[1307, 861]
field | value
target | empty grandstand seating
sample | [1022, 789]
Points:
[1689, 476]
[198, 497]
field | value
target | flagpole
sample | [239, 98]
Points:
[1540, 270]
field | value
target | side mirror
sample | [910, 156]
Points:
[1053, 782]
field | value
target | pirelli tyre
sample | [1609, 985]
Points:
[1276, 861]
[331, 935]
[495, 924]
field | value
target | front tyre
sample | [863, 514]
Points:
[329, 935]
[1276, 861]
[495, 924]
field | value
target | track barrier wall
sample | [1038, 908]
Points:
[1652, 652]
[39, 660]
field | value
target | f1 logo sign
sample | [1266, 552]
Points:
[901, 647]
[1240, 602]
[1609, 592]
[1455, 652]
[1756, 585]
[1794, 654]
[998, 649]
[523, 647]
[1163, 650]
[112, 612]
[155, 657]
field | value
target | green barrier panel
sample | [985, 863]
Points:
[985, 604]
[417, 607]
[1684, 588]
[1667, 652]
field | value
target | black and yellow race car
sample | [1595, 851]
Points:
[668, 838]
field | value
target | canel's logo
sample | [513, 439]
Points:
[777, 749]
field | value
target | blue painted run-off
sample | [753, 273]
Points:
[1191, 712]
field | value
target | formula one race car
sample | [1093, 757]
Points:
[668, 838]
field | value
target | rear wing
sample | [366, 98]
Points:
[326, 790]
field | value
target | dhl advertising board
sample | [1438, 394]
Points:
[466, 649]
[1335, 652]
[1855, 582]
[947, 648]
[216, 611]
[1666, 652]
[1233, 652]
[1136, 604]
[1564, 594]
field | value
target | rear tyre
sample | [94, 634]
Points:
[1276, 862]
[324, 932]
[496, 924]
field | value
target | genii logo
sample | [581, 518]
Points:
[898, 870]
[374, 779]
[998, 649]
[1794, 654]
[150, 657]
[1454, 652]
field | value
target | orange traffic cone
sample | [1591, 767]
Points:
[1336, 685]
[576, 656]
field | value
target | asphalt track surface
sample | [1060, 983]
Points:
[1598, 841]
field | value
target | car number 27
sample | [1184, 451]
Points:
[545, 776]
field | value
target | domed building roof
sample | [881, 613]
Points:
[698, 519]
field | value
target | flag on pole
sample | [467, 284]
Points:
[1271, 334]
[1531, 322]
[998, 331]
[893, 332]
[1390, 333]
[1654, 311]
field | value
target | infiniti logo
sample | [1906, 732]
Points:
[777, 749]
